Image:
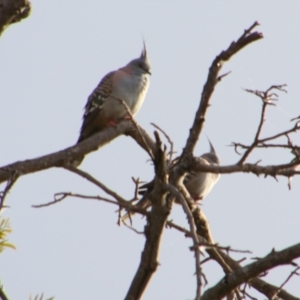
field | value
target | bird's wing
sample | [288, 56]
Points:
[94, 105]
[193, 174]
[147, 187]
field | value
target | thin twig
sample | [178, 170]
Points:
[203, 242]
[194, 236]
[63, 157]
[154, 228]
[136, 125]
[249, 296]
[252, 270]
[267, 99]
[205, 260]
[13, 178]
[136, 182]
[212, 79]
[285, 282]
[276, 136]
[261, 143]
[226, 249]
[294, 119]
[169, 140]
[238, 296]
[121, 219]
[219, 78]
[58, 197]
[97, 183]
[133, 229]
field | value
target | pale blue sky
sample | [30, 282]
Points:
[53, 60]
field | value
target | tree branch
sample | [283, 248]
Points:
[191, 163]
[97, 183]
[247, 38]
[13, 11]
[154, 229]
[267, 98]
[13, 178]
[64, 157]
[194, 237]
[250, 271]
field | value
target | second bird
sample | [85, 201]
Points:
[198, 184]
[129, 83]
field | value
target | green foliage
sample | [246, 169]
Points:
[4, 231]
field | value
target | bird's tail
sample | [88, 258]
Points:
[78, 160]
[144, 202]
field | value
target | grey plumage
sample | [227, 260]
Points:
[103, 108]
[198, 184]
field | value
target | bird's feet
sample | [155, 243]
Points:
[127, 117]
[115, 122]
[112, 123]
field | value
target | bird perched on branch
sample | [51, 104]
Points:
[198, 184]
[104, 106]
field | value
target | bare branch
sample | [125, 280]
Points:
[258, 284]
[296, 118]
[63, 157]
[247, 37]
[133, 229]
[136, 189]
[169, 140]
[253, 270]
[97, 183]
[161, 203]
[13, 178]
[225, 261]
[261, 143]
[58, 197]
[294, 272]
[267, 98]
[136, 126]
[284, 133]
[286, 170]
[203, 230]
[228, 264]
[246, 294]
[223, 75]
[194, 236]
[203, 242]
[154, 229]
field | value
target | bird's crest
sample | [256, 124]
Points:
[144, 51]
[212, 155]
[212, 149]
